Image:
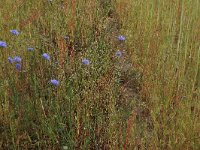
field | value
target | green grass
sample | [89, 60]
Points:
[147, 99]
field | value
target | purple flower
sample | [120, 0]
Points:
[30, 49]
[18, 66]
[3, 44]
[55, 82]
[17, 59]
[85, 61]
[118, 54]
[14, 32]
[46, 56]
[10, 60]
[121, 38]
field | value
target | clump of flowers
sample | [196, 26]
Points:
[3, 44]
[55, 82]
[14, 32]
[121, 38]
[85, 61]
[46, 56]
[16, 60]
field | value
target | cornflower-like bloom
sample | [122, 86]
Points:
[30, 49]
[17, 59]
[55, 82]
[18, 66]
[10, 60]
[46, 56]
[118, 54]
[3, 44]
[14, 32]
[121, 38]
[85, 61]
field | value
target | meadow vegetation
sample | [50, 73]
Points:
[100, 74]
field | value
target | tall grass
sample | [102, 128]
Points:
[147, 99]
[163, 38]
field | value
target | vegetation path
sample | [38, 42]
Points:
[130, 100]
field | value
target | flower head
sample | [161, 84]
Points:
[17, 59]
[55, 82]
[66, 37]
[85, 61]
[30, 49]
[118, 54]
[10, 60]
[3, 44]
[121, 38]
[14, 32]
[46, 56]
[18, 66]
[56, 63]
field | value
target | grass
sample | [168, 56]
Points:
[146, 99]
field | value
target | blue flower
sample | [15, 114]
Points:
[30, 49]
[10, 60]
[55, 82]
[14, 32]
[17, 59]
[3, 44]
[118, 54]
[85, 61]
[121, 38]
[46, 56]
[18, 66]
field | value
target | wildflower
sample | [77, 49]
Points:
[30, 49]
[66, 37]
[3, 44]
[18, 66]
[118, 54]
[85, 61]
[121, 38]
[56, 63]
[17, 59]
[10, 60]
[46, 56]
[14, 32]
[55, 82]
